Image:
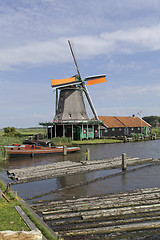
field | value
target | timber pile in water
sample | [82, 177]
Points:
[112, 215]
[59, 169]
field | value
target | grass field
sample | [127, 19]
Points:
[9, 218]
[157, 131]
[27, 131]
[96, 141]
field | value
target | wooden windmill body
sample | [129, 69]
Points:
[71, 117]
[70, 105]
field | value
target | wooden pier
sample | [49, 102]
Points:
[116, 214]
[59, 169]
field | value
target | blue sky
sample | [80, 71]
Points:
[119, 38]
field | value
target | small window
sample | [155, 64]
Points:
[70, 115]
[19, 149]
[138, 128]
[11, 148]
[106, 130]
[113, 129]
[120, 129]
[132, 128]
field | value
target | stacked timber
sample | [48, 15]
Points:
[59, 169]
[116, 214]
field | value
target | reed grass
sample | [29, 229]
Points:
[61, 141]
[4, 140]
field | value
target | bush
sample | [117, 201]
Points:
[136, 136]
[11, 132]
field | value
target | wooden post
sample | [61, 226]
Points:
[125, 139]
[99, 131]
[47, 132]
[82, 130]
[72, 132]
[51, 132]
[3, 195]
[87, 131]
[56, 101]
[64, 150]
[63, 130]
[87, 154]
[55, 130]
[93, 131]
[124, 157]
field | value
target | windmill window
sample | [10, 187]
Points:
[70, 115]
[82, 116]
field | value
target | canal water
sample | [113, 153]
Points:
[141, 178]
[146, 177]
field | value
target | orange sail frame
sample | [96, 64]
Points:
[74, 80]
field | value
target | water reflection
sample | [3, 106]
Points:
[142, 178]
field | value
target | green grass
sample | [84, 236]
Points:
[44, 231]
[31, 131]
[9, 218]
[27, 131]
[7, 140]
[96, 141]
[61, 141]
[4, 140]
[156, 130]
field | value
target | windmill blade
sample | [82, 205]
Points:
[95, 79]
[90, 101]
[74, 58]
[65, 82]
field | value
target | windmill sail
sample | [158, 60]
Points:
[95, 79]
[66, 81]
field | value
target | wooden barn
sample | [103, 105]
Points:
[123, 126]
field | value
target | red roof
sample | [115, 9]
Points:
[113, 121]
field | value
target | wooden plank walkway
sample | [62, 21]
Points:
[136, 210]
[68, 168]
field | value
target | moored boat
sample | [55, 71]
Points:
[31, 150]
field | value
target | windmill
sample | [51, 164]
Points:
[71, 102]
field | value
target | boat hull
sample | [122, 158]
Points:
[18, 151]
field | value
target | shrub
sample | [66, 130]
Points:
[11, 132]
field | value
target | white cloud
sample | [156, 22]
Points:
[45, 52]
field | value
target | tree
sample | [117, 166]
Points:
[154, 121]
[10, 131]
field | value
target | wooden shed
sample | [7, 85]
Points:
[123, 126]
